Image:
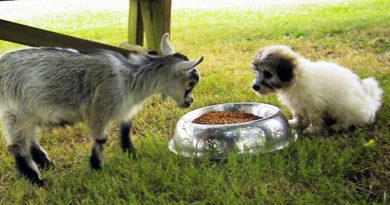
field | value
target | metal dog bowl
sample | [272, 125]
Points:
[271, 132]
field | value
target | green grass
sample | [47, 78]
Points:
[318, 169]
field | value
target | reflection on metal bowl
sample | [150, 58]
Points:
[271, 132]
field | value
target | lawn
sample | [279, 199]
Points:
[337, 169]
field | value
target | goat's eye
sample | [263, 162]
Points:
[187, 92]
[191, 84]
[267, 74]
[254, 67]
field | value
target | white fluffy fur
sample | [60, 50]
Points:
[324, 87]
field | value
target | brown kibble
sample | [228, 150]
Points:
[222, 117]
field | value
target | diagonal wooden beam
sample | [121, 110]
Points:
[27, 35]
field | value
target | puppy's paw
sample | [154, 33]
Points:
[311, 130]
[336, 127]
[294, 122]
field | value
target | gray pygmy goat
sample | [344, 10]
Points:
[56, 86]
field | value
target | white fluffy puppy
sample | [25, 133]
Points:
[320, 95]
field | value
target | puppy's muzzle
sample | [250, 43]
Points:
[261, 88]
[256, 87]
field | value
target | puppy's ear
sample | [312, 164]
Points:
[284, 69]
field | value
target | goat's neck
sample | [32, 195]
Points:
[149, 80]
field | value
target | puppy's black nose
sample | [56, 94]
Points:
[256, 87]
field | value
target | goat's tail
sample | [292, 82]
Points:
[374, 91]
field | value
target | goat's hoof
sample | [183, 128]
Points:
[133, 155]
[38, 182]
[41, 183]
[131, 152]
[96, 164]
[46, 164]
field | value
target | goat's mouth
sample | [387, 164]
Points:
[185, 104]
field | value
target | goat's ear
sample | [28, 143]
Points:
[259, 54]
[190, 65]
[166, 47]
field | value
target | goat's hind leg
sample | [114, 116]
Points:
[99, 136]
[125, 138]
[19, 143]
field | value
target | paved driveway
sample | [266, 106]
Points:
[24, 9]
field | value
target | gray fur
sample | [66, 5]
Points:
[50, 86]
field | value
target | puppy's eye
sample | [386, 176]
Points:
[267, 74]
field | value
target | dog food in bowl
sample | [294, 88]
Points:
[224, 117]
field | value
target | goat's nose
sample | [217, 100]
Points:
[256, 87]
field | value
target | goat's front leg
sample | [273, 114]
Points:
[125, 138]
[99, 140]
[25, 164]
[40, 156]
[18, 137]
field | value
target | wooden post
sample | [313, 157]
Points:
[135, 28]
[161, 11]
[147, 22]
[167, 16]
[156, 20]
